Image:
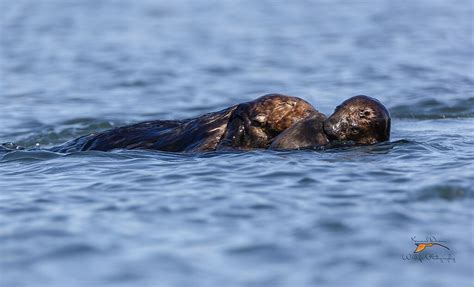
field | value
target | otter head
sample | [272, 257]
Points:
[361, 119]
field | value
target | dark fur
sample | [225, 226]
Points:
[272, 121]
[255, 124]
[306, 133]
[361, 119]
[191, 135]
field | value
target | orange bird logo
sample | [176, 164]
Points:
[422, 246]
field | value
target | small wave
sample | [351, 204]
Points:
[9, 146]
[29, 155]
[14, 152]
[45, 135]
[434, 109]
[21, 154]
[444, 191]
[384, 147]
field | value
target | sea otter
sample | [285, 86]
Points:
[361, 119]
[272, 121]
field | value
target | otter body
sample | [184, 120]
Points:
[258, 123]
[273, 121]
[245, 126]
[297, 136]
[190, 135]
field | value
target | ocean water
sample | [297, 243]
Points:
[344, 217]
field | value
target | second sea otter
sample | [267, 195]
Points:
[282, 122]
[360, 120]
[273, 121]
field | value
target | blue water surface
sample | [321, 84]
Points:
[344, 217]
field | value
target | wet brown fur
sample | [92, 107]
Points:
[361, 119]
[272, 121]
[307, 133]
[255, 124]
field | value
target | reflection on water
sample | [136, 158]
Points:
[258, 218]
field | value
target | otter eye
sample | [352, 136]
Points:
[354, 131]
[364, 114]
